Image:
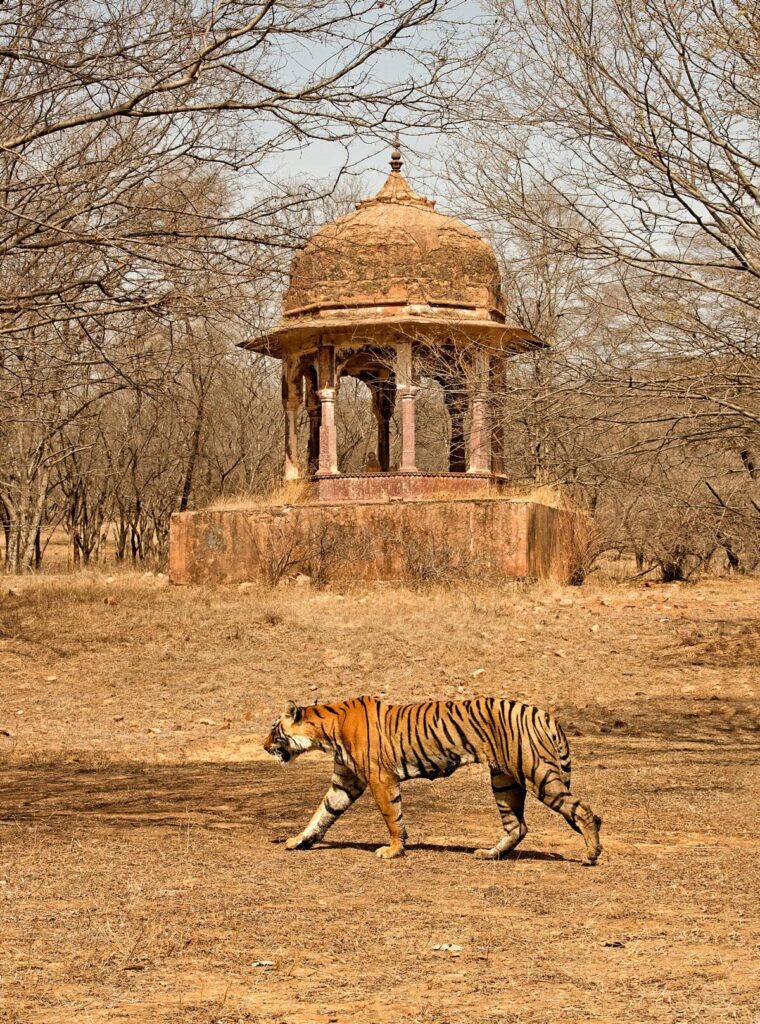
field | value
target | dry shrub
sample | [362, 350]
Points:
[315, 551]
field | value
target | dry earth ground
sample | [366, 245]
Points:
[142, 872]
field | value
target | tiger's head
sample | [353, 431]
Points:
[292, 734]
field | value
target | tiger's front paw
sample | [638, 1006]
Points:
[298, 843]
[389, 852]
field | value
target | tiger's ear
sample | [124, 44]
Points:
[293, 710]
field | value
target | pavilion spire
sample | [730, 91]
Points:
[396, 160]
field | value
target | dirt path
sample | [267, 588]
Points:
[143, 877]
[163, 893]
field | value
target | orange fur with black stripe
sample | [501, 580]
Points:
[379, 746]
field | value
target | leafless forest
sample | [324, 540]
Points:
[152, 199]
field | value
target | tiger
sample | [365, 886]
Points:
[380, 745]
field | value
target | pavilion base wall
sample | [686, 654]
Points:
[433, 540]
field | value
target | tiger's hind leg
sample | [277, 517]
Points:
[510, 799]
[578, 815]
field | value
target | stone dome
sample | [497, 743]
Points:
[395, 252]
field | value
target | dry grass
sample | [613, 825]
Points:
[290, 492]
[143, 878]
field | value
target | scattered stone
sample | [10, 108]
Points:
[478, 672]
[206, 721]
[245, 587]
[263, 963]
[51, 679]
[155, 731]
[118, 718]
[110, 600]
[448, 947]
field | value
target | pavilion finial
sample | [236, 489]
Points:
[396, 155]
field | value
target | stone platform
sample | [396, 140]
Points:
[420, 540]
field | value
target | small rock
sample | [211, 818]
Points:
[263, 963]
[595, 628]
[155, 731]
[206, 721]
[448, 947]
[559, 654]
[478, 672]
[118, 718]
[50, 679]
[110, 579]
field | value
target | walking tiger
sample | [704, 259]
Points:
[381, 745]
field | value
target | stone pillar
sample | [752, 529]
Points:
[408, 395]
[314, 409]
[456, 404]
[407, 392]
[383, 401]
[328, 438]
[292, 471]
[291, 401]
[479, 455]
[498, 392]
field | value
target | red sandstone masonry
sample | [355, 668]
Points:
[383, 540]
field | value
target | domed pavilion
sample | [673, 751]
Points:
[394, 294]
[390, 292]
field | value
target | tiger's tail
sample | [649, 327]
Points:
[563, 749]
